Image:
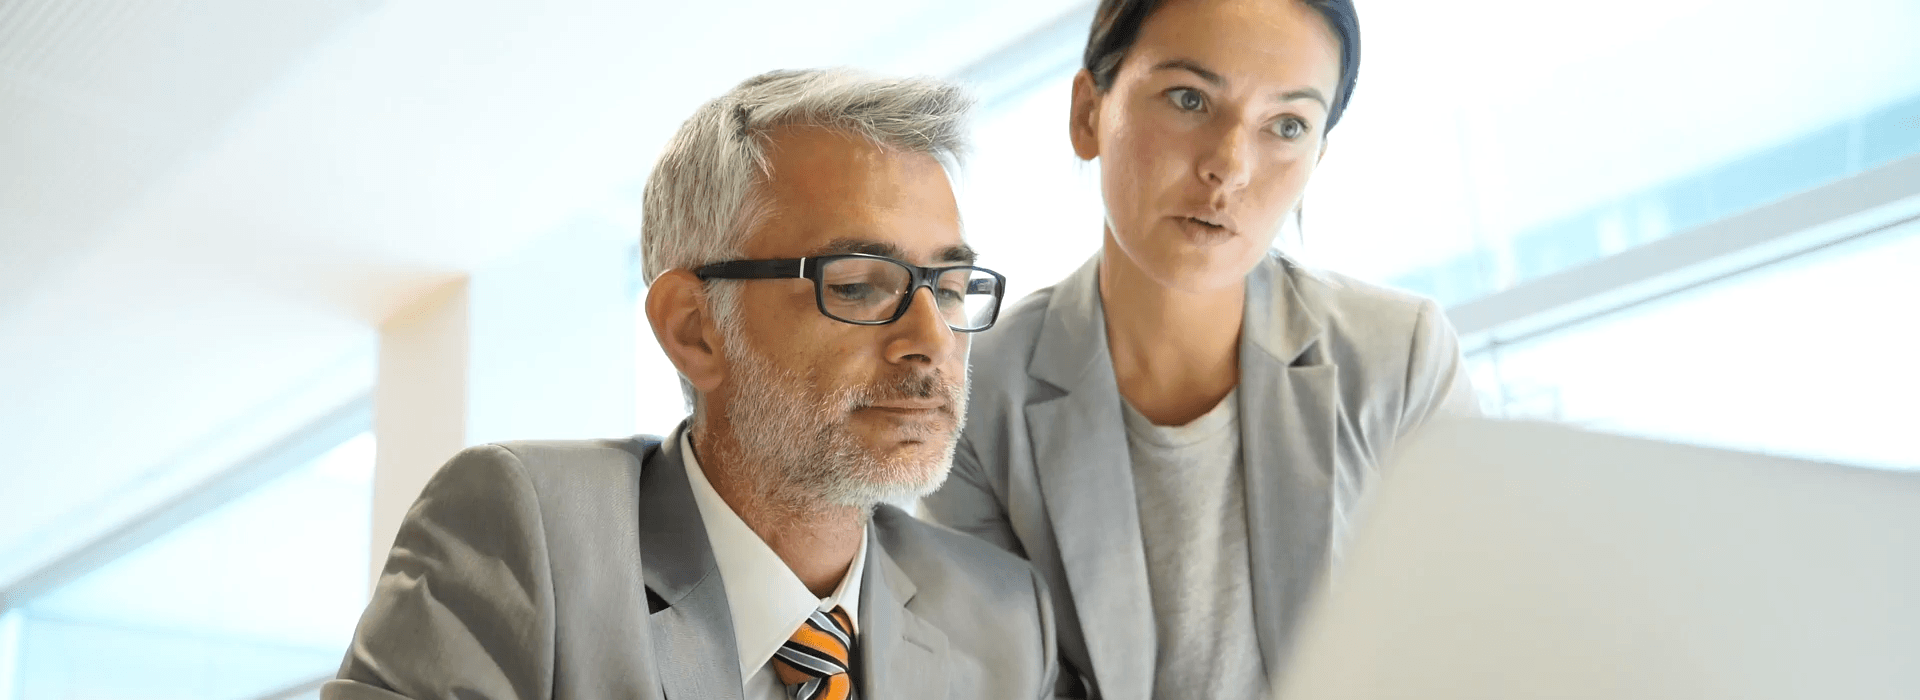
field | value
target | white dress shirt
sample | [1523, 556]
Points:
[768, 602]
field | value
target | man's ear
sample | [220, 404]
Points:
[677, 310]
[1083, 120]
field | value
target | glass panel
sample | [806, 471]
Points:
[254, 597]
[1814, 357]
[1032, 208]
[1649, 119]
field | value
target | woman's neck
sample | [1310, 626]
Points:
[1176, 354]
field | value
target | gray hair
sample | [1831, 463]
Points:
[702, 200]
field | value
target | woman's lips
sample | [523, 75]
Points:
[1202, 233]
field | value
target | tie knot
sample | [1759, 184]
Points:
[814, 661]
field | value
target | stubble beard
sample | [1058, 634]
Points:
[800, 449]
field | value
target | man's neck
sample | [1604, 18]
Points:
[817, 541]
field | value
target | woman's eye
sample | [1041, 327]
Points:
[1290, 128]
[1186, 99]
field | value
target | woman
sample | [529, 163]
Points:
[1175, 434]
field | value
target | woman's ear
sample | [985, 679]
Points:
[677, 310]
[1083, 123]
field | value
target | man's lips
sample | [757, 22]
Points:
[909, 405]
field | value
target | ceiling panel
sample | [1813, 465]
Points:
[100, 100]
[227, 197]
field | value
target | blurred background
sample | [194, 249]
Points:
[264, 266]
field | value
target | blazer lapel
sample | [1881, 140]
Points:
[693, 643]
[1289, 413]
[901, 655]
[1086, 479]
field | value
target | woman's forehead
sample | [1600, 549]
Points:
[1278, 45]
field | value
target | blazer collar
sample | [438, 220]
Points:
[1069, 349]
[1080, 454]
[1278, 321]
[1289, 417]
[901, 655]
[676, 555]
[693, 629]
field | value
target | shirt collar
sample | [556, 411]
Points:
[767, 601]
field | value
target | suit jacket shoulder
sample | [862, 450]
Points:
[949, 565]
[992, 611]
[583, 483]
[1000, 356]
[1397, 354]
[512, 552]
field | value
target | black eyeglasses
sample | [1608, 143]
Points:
[870, 290]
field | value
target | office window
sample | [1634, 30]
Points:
[1564, 133]
[1814, 357]
[253, 598]
[1032, 208]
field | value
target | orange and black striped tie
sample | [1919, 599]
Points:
[814, 662]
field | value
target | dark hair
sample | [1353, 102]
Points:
[1116, 25]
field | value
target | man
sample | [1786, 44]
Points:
[811, 286]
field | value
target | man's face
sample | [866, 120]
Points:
[847, 413]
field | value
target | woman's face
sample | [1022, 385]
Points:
[1208, 134]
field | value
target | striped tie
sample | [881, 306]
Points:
[814, 662]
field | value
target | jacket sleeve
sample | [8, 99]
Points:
[1437, 379]
[969, 503]
[464, 607]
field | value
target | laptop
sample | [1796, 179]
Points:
[1501, 560]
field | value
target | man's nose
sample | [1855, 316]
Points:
[922, 333]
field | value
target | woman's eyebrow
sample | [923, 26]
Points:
[1220, 81]
[1306, 93]
[1212, 78]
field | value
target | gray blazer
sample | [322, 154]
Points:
[1333, 372]
[582, 570]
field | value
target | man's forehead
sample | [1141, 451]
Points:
[959, 253]
[832, 192]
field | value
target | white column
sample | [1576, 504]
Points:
[11, 623]
[533, 347]
[419, 404]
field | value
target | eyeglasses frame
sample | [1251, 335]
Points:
[810, 268]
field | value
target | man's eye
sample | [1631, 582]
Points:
[1186, 99]
[857, 291]
[1290, 128]
[949, 298]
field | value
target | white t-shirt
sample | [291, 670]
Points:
[1191, 490]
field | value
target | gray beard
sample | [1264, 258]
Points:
[801, 451]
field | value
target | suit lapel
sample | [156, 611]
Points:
[901, 655]
[1289, 412]
[693, 643]
[1086, 480]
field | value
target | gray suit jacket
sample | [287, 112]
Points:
[1333, 372]
[582, 570]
